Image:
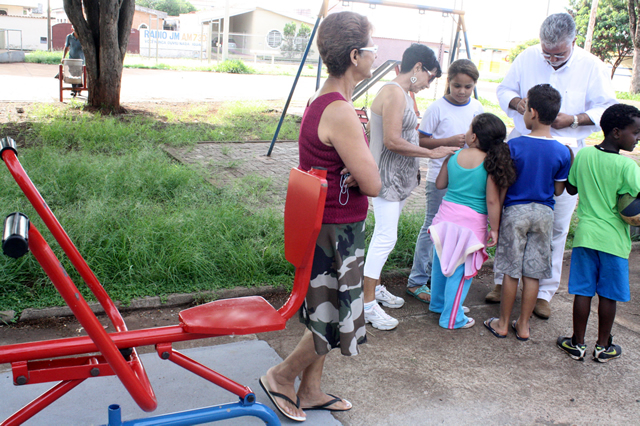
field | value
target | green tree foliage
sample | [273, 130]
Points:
[172, 7]
[519, 48]
[294, 43]
[611, 37]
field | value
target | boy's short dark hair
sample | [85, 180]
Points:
[546, 100]
[618, 116]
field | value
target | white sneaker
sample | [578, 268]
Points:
[465, 309]
[387, 299]
[379, 319]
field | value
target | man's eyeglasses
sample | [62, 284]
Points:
[558, 57]
[373, 49]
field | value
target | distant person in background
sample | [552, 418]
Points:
[396, 148]
[73, 47]
[585, 86]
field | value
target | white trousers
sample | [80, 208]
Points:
[385, 235]
[562, 211]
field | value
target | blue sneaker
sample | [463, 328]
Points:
[602, 354]
[575, 351]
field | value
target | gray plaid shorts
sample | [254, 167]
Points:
[524, 241]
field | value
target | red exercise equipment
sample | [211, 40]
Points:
[39, 362]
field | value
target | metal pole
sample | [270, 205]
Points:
[319, 72]
[466, 43]
[209, 38]
[49, 25]
[157, 36]
[293, 88]
[225, 32]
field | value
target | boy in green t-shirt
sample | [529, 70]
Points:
[601, 246]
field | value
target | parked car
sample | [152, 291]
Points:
[232, 43]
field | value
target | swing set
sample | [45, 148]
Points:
[382, 70]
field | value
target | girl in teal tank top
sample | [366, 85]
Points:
[475, 176]
[470, 187]
[477, 179]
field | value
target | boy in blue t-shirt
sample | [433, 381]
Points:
[524, 246]
[601, 246]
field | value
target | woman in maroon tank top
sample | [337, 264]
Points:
[332, 137]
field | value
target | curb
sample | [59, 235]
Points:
[149, 302]
[182, 299]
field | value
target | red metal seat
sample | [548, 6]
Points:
[243, 315]
[39, 362]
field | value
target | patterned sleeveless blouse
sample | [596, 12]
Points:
[399, 174]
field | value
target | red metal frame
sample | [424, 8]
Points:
[75, 89]
[38, 362]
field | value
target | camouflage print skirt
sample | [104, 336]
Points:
[333, 309]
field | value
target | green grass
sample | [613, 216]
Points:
[628, 96]
[234, 66]
[70, 128]
[145, 224]
[493, 80]
[408, 228]
[44, 57]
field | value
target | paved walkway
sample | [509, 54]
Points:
[227, 161]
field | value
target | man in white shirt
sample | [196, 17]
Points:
[586, 90]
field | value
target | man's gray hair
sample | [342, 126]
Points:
[558, 28]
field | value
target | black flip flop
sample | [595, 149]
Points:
[326, 405]
[273, 395]
[513, 325]
[487, 324]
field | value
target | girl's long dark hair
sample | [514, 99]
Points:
[491, 133]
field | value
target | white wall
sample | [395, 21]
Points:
[33, 29]
[172, 44]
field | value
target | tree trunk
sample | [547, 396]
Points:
[104, 36]
[635, 73]
[591, 26]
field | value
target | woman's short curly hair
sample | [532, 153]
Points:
[338, 35]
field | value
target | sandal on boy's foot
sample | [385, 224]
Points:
[575, 351]
[327, 405]
[487, 324]
[419, 291]
[273, 395]
[513, 325]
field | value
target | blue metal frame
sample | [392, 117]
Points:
[295, 82]
[201, 415]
